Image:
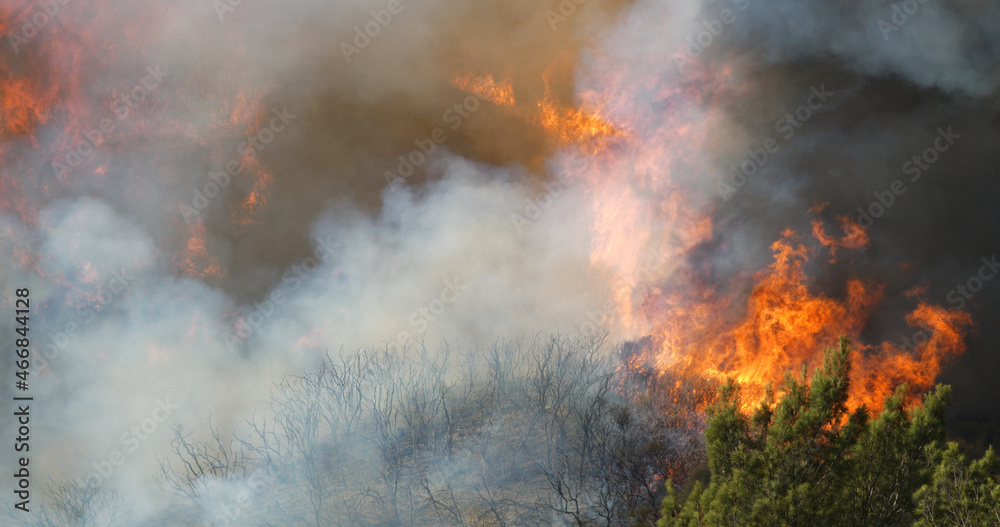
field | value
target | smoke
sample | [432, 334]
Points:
[942, 45]
[158, 305]
[488, 235]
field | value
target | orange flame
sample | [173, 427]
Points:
[195, 259]
[249, 113]
[754, 335]
[582, 127]
[576, 127]
[784, 326]
[256, 200]
[486, 87]
[22, 106]
[855, 236]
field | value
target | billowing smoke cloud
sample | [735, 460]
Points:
[158, 305]
[948, 46]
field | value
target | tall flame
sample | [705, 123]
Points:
[783, 326]
[755, 335]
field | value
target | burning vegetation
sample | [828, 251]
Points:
[808, 459]
[560, 432]
[169, 176]
[754, 338]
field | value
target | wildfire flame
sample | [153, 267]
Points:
[486, 87]
[783, 325]
[697, 332]
[855, 236]
[640, 206]
[22, 106]
[195, 260]
[49, 83]
[581, 127]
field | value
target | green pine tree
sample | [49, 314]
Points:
[959, 493]
[809, 461]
